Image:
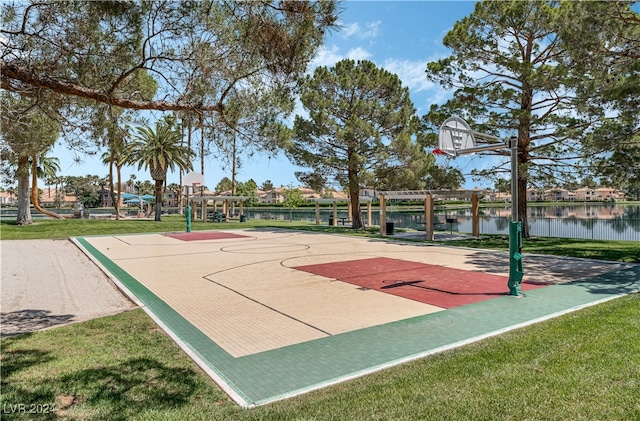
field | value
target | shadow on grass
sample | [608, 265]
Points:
[116, 392]
[14, 361]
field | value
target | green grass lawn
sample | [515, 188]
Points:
[620, 251]
[52, 228]
[581, 366]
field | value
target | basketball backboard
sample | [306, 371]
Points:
[193, 179]
[455, 135]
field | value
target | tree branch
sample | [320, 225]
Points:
[12, 72]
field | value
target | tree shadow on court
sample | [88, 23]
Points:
[625, 281]
[419, 283]
[31, 320]
[597, 276]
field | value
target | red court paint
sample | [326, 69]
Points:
[431, 284]
[203, 235]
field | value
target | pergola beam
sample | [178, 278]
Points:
[422, 194]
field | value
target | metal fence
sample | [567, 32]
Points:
[625, 229]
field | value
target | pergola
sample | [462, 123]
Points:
[429, 197]
[335, 202]
[226, 200]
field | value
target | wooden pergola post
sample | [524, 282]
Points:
[475, 215]
[428, 217]
[241, 208]
[317, 213]
[369, 218]
[335, 213]
[203, 204]
[383, 215]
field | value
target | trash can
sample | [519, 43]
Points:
[243, 218]
[331, 221]
[389, 228]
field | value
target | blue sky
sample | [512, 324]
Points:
[400, 36]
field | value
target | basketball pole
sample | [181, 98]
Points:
[516, 270]
[457, 138]
[188, 211]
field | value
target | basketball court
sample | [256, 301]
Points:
[272, 313]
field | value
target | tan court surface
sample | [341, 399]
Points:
[244, 301]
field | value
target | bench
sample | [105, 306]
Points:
[218, 217]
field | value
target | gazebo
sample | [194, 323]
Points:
[226, 201]
[335, 202]
[429, 197]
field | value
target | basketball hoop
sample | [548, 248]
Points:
[438, 151]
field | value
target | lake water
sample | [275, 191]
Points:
[590, 221]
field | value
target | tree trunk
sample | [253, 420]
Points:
[116, 204]
[34, 191]
[524, 145]
[356, 215]
[201, 143]
[354, 194]
[522, 205]
[158, 207]
[24, 207]
[111, 194]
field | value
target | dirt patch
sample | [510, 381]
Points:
[48, 283]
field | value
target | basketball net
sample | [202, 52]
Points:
[439, 154]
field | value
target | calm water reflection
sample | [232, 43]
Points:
[591, 221]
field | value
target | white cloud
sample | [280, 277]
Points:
[326, 56]
[411, 73]
[370, 30]
[358, 53]
[350, 30]
[329, 56]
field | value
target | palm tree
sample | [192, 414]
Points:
[159, 151]
[131, 181]
[43, 167]
[175, 189]
[112, 158]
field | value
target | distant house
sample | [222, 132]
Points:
[272, 196]
[534, 195]
[171, 198]
[337, 195]
[586, 193]
[607, 193]
[277, 195]
[369, 192]
[601, 193]
[7, 198]
[498, 197]
[559, 195]
[56, 198]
